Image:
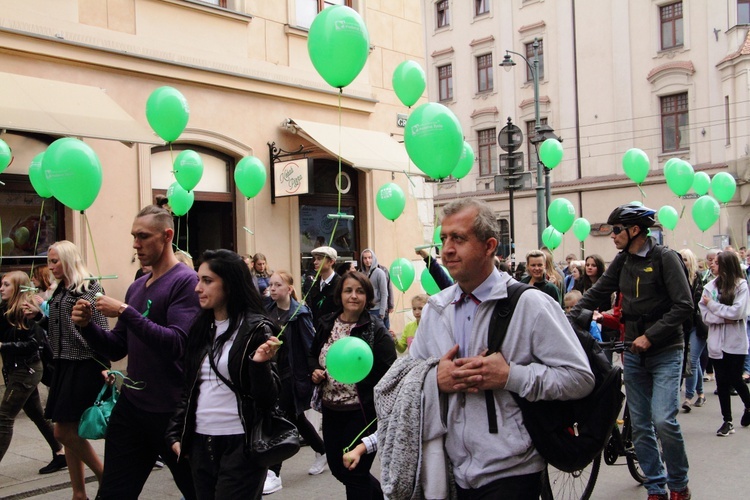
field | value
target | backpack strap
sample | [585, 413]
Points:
[499, 322]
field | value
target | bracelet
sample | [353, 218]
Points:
[122, 308]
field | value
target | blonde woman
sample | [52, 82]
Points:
[696, 333]
[77, 378]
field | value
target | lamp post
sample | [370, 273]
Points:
[540, 135]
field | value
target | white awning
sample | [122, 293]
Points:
[363, 149]
[59, 108]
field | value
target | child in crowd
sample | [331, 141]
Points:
[571, 299]
[404, 341]
[368, 445]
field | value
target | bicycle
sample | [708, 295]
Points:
[557, 485]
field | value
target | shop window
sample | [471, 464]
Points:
[445, 82]
[674, 122]
[487, 153]
[671, 25]
[484, 73]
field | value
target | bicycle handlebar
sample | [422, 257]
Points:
[615, 345]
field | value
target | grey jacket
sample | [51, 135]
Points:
[726, 323]
[546, 362]
[379, 283]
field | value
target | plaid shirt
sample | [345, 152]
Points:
[64, 336]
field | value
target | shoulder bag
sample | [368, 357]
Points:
[94, 421]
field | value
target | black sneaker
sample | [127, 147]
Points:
[745, 418]
[58, 463]
[726, 429]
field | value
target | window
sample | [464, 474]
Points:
[674, 122]
[308, 9]
[503, 247]
[481, 7]
[487, 151]
[484, 73]
[443, 14]
[671, 25]
[445, 82]
[743, 11]
[530, 134]
[530, 57]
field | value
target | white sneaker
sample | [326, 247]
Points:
[319, 465]
[272, 484]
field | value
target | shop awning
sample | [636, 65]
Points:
[363, 149]
[59, 108]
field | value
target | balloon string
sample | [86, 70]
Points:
[643, 195]
[38, 231]
[179, 223]
[91, 237]
[187, 231]
[1, 240]
[348, 448]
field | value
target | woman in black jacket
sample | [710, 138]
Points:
[229, 377]
[349, 408]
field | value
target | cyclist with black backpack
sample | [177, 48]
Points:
[656, 299]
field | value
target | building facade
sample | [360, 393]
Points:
[667, 77]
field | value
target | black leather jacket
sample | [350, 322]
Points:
[256, 384]
[19, 347]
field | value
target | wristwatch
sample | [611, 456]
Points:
[122, 308]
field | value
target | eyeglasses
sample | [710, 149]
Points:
[619, 229]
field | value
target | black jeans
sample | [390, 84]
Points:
[134, 439]
[526, 487]
[221, 469]
[728, 371]
[339, 430]
[21, 393]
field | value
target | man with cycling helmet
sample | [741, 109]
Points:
[655, 301]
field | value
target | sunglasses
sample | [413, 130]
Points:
[619, 229]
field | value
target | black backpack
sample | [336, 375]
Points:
[568, 434]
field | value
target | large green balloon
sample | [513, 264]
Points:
[581, 228]
[250, 175]
[402, 273]
[635, 163]
[428, 282]
[167, 112]
[680, 177]
[551, 237]
[705, 212]
[701, 183]
[73, 172]
[180, 201]
[465, 162]
[349, 360]
[338, 45]
[668, 165]
[551, 153]
[391, 201]
[188, 169]
[433, 139]
[409, 82]
[668, 217]
[723, 186]
[6, 156]
[36, 176]
[561, 214]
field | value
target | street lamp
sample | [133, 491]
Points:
[540, 135]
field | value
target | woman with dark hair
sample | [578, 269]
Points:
[593, 269]
[228, 380]
[349, 408]
[724, 310]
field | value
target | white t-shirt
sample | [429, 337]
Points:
[217, 413]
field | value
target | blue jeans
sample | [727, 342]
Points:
[652, 385]
[694, 383]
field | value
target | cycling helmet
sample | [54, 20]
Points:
[632, 215]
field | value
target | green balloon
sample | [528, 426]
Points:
[668, 217]
[680, 177]
[36, 176]
[349, 360]
[635, 163]
[250, 175]
[338, 45]
[180, 201]
[433, 139]
[701, 183]
[551, 237]
[551, 153]
[391, 201]
[73, 172]
[436, 236]
[167, 112]
[668, 165]
[402, 273]
[705, 212]
[561, 214]
[188, 169]
[6, 156]
[723, 186]
[465, 162]
[428, 282]
[581, 228]
[409, 82]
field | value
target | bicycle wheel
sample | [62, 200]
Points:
[627, 442]
[578, 485]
